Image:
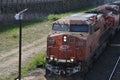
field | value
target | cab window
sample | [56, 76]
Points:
[79, 28]
[60, 27]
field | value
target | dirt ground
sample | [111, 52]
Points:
[34, 41]
[9, 60]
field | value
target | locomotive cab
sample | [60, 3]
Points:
[70, 44]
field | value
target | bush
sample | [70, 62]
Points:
[36, 61]
[53, 17]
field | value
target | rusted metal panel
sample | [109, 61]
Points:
[77, 49]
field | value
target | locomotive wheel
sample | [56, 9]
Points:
[84, 72]
[84, 69]
[91, 64]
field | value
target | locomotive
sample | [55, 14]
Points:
[114, 9]
[77, 40]
[111, 15]
[118, 4]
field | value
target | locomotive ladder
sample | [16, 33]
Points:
[113, 71]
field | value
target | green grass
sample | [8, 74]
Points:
[4, 28]
[3, 77]
[53, 17]
[11, 77]
[32, 31]
[37, 61]
[42, 19]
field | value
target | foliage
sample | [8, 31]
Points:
[11, 77]
[53, 17]
[36, 61]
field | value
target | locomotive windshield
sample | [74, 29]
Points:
[60, 27]
[79, 28]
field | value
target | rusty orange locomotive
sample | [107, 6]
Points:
[77, 40]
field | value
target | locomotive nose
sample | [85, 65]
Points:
[65, 47]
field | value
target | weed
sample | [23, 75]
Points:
[3, 77]
[14, 36]
[53, 17]
[36, 61]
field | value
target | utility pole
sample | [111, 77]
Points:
[19, 17]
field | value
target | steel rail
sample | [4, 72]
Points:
[113, 71]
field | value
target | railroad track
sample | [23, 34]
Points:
[115, 74]
[103, 67]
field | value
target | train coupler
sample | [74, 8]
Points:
[62, 73]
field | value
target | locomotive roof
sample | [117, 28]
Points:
[99, 11]
[80, 18]
[112, 5]
[82, 15]
[108, 6]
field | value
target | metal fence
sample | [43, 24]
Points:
[24, 1]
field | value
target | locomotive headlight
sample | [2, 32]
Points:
[51, 57]
[71, 59]
[65, 38]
